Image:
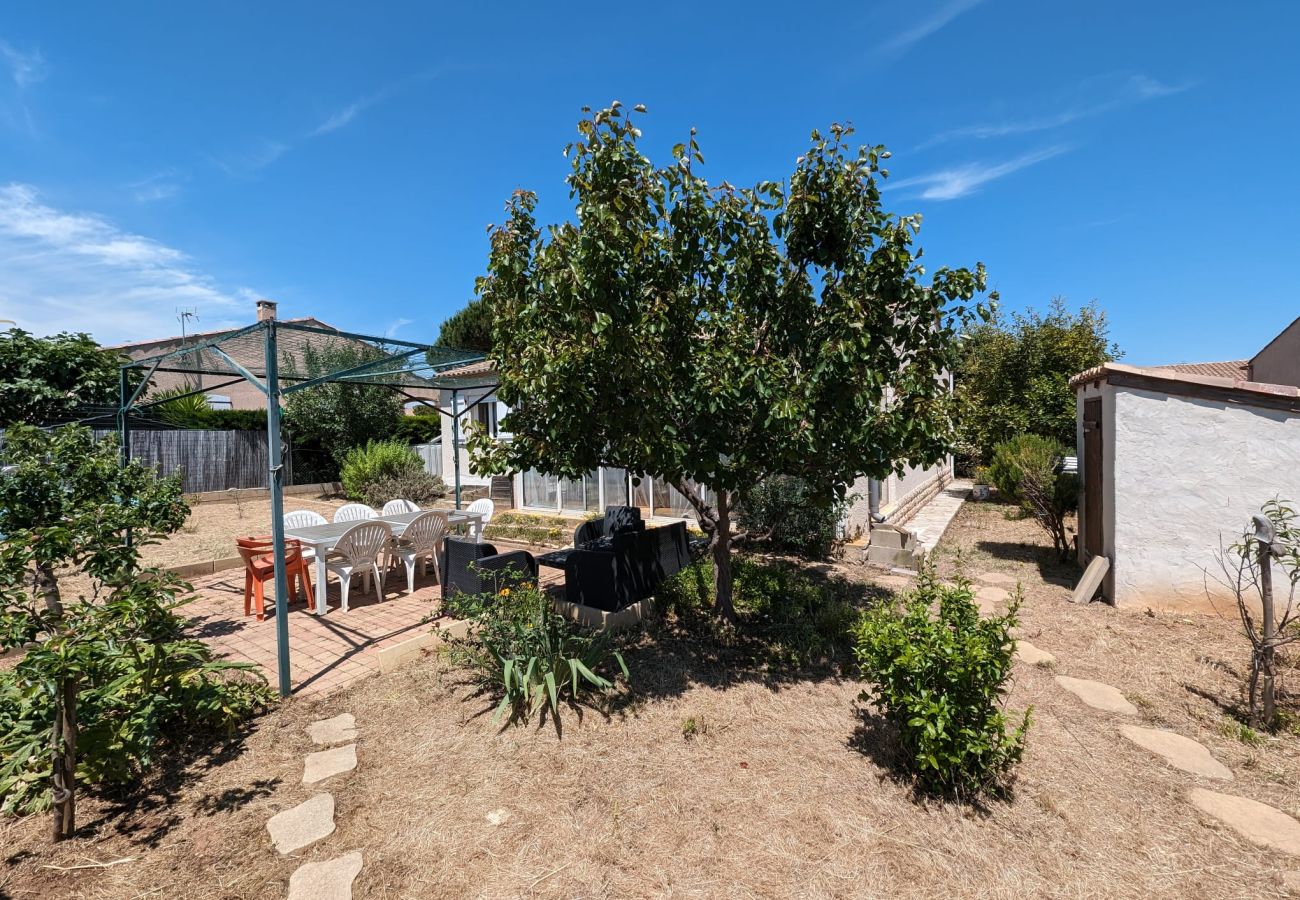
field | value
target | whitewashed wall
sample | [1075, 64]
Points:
[464, 401]
[1185, 475]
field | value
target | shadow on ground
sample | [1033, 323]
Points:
[1050, 568]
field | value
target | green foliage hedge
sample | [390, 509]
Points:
[792, 517]
[388, 470]
[1024, 470]
[940, 672]
[1013, 376]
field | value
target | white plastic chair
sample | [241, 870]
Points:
[304, 518]
[486, 508]
[396, 507]
[422, 538]
[358, 550]
[354, 512]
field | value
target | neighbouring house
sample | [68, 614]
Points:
[1174, 461]
[474, 402]
[241, 394]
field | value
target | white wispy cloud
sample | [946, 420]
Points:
[77, 271]
[161, 185]
[395, 326]
[904, 40]
[1130, 91]
[960, 181]
[26, 67]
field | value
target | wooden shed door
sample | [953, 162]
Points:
[1093, 540]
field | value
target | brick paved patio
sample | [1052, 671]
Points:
[325, 652]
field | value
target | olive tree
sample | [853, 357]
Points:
[714, 335]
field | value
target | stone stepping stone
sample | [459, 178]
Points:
[328, 880]
[988, 598]
[340, 729]
[1257, 822]
[325, 763]
[1097, 695]
[996, 578]
[1180, 752]
[304, 824]
[1028, 653]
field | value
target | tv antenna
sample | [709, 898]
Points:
[186, 314]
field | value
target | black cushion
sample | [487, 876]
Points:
[619, 519]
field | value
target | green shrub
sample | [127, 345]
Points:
[1024, 470]
[388, 470]
[940, 672]
[111, 651]
[792, 517]
[796, 618]
[420, 427]
[193, 412]
[522, 649]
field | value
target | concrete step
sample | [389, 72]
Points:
[892, 537]
[892, 557]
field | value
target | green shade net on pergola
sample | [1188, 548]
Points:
[271, 356]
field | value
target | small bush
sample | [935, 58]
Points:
[792, 516]
[388, 470]
[941, 672]
[1024, 469]
[796, 618]
[522, 649]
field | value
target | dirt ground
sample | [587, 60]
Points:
[785, 790]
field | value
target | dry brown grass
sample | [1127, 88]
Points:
[785, 790]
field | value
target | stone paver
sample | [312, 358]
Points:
[931, 520]
[304, 824]
[342, 727]
[1180, 752]
[995, 578]
[325, 763]
[1257, 822]
[1028, 653]
[328, 880]
[1097, 695]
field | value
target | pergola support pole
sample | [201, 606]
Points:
[125, 399]
[275, 483]
[455, 440]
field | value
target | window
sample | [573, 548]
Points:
[218, 401]
[485, 414]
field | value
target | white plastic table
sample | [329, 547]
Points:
[322, 538]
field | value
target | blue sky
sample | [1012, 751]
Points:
[345, 161]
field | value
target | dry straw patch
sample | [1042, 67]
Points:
[780, 791]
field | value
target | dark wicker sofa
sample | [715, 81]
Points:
[632, 568]
[468, 567]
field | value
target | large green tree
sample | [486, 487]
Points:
[107, 673]
[716, 335]
[470, 328]
[43, 377]
[338, 416]
[1014, 374]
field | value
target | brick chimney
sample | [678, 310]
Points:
[265, 310]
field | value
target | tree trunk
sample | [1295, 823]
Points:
[720, 547]
[716, 523]
[64, 747]
[63, 737]
[1267, 650]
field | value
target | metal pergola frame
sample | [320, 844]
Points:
[398, 369]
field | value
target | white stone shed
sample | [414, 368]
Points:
[1172, 467]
